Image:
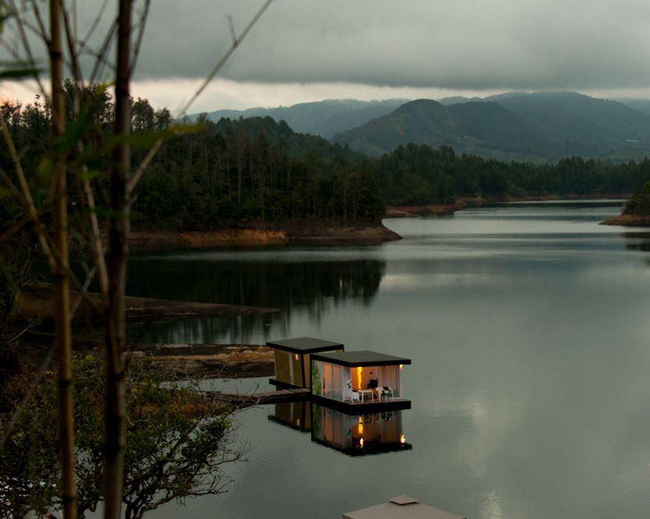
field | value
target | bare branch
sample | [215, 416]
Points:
[27, 196]
[28, 50]
[74, 56]
[93, 26]
[233, 34]
[100, 55]
[138, 43]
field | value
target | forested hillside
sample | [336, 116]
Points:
[415, 175]
[480, 128]
[257, 171]
[540, 127]
[322, 118]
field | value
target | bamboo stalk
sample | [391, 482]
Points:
[61, 277]
[115, 430]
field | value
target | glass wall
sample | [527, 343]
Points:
[387, 378]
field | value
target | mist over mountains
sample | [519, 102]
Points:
[537, 127]
[322, 118]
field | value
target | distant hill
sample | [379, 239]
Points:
[518, 126]
[481, 128]
[578, 124]
[323, 118]
[641, 105]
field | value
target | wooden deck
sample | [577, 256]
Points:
[270, 397]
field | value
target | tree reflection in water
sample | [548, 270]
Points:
[313, 287]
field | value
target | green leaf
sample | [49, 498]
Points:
[45, 168]
[5, 14]
[145, 140]
[90, 174]
[20, 73]
[74, 131]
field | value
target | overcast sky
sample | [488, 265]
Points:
[305, 50]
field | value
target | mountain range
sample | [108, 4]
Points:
[323, 118]
[535, 127]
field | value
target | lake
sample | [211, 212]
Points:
[529, 330]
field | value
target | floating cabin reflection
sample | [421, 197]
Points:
[357, 435]
[354, 403]
[296, 415]
[354, 435]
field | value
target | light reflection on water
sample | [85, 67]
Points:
[528, 328]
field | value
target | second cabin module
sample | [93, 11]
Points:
[293, 360]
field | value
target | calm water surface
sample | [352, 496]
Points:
[529, 330]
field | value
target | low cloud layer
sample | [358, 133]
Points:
[304, 50]
[472, 44]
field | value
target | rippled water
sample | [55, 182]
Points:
[529, 330]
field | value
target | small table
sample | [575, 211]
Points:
[364, 392]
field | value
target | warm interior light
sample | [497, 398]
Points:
[296, 356]
[361, 442]
[359, 370]
[361, 430]
[298, 424]
[402, 439]
[401, 366]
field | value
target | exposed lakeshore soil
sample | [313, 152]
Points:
[37, 302]
[629, 220]
[252, 237]
[410, 211]
[210, 360]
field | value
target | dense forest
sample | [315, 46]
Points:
[421, 175]
[251, 171]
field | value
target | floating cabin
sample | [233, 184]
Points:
[292, 360]
[401, 507]
[358, 381]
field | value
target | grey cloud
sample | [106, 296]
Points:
[467, 44]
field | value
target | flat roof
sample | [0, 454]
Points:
[401, 507]
[304, 345]
[361, 358]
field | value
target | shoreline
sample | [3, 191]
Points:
[628, 220]
[261, 237]
[411, 211]
[182, 361]
[37, 302]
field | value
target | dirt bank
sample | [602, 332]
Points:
[360, 234]
[211, 360]
[410, 211]
[628, 220]
[150, 240]
[36, 302]
[225, 238]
